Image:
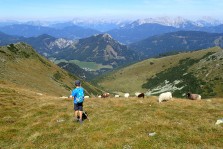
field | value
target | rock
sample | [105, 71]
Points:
[152, 134]
[40, 94]
[60, 120]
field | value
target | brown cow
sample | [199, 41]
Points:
[105, 95]
[141, 95]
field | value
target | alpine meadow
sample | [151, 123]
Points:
[111, 74]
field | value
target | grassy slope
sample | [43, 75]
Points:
[130, 79]
[210, 70]
[22, 66]
[32, 121]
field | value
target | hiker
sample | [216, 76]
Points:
[78, 95]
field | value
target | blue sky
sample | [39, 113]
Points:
[131, 9]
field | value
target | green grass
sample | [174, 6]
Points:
[32, 121]
[91, 65]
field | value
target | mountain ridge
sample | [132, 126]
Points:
[69, 32]
[101, 48]
[22, 66]
[176, 42]
[180, 73]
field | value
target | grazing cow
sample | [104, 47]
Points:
[86, 97]
[193, 96]
[126, 95]
[141, 95]
[165, 96]
[137, 93]
[117, 96]
[105, 95]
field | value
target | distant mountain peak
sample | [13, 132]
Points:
[108, 39]
[106, 35]
[61, 43]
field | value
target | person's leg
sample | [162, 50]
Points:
[75, 112]
[80, 109]
[80, 112]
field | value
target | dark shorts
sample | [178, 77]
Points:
[78, 106]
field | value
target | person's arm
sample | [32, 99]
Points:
[73, 94]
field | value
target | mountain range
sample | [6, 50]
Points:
[69, 32]
[129, 34]
[178, 22]
[123, 31]
[103, 50]
[137, 31]
[100, 48]
[176, 42]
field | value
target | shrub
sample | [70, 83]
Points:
[189, 81]
[57, 76]
[12, 48]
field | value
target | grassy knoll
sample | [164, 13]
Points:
[29, 120]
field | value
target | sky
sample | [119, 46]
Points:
[121, 9]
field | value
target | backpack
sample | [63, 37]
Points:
[80, 96]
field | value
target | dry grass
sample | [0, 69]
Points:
[32, 121]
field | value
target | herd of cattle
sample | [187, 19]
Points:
[162, 97]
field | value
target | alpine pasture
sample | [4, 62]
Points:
[33, 120]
